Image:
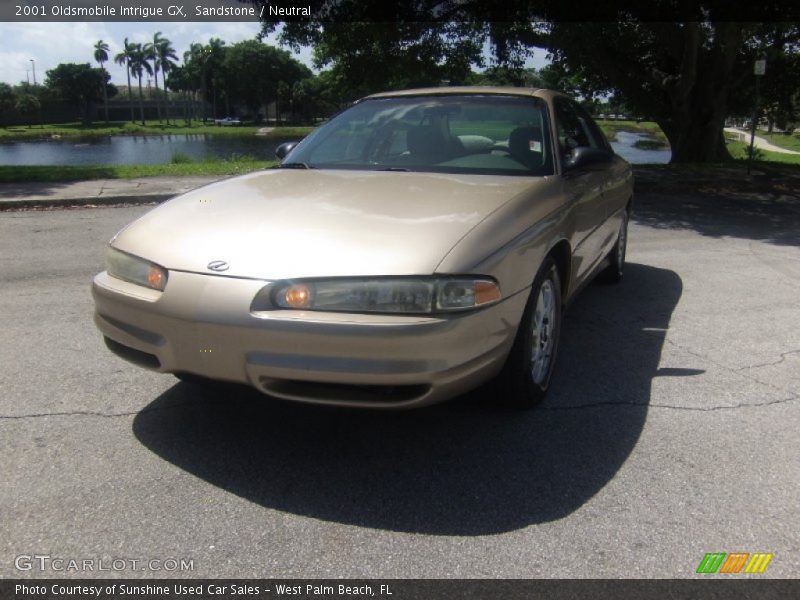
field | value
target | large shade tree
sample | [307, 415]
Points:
[681, 64]
[255, 71]
[204, 63]
[367, 57]
[8, 101]
[80, 85]
[28, 105]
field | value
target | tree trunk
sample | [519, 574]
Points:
[167, 105]
[696, 139]
[698, 96]
[141, 100]
[205, 92]
[158, 95]
[105, 94]
[130, 96]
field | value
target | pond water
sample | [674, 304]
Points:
[624, 146]
[131, 150]
[127, 150]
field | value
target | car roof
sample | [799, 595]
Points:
[470, 90]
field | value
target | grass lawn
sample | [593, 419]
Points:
[15, 174]
[100, 129]
[790, 142]
[739, 151]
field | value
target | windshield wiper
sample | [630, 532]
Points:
[392, 169]
[295, 165]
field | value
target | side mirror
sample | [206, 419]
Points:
[583, 157]
[284, 149]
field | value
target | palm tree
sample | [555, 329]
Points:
[126, 58]
[211, 56]
[101, 56]
[151, 54]
[195, 77]
[165, 60]
[140, 65]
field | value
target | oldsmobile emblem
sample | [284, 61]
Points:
[218, 265]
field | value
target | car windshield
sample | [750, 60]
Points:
[474, 134]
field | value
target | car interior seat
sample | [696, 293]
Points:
[526, 146]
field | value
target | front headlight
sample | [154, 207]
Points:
[387, 295]
[134, 269]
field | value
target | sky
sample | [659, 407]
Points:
[51, 43]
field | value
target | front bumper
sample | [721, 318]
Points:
[203, 325]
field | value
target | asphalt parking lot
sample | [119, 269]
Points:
[671, 429]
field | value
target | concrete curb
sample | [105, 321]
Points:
[34, 203]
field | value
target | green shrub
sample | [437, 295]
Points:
[180, 158]
[649, 144]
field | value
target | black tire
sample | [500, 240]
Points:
[616, 258]
[519, 384]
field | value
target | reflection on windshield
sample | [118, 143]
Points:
[478, 134]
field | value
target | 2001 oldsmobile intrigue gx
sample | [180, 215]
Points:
[415, 246]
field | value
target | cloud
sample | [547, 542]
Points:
[49, 44]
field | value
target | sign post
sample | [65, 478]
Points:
[759, 68]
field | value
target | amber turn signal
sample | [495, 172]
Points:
[297, 296]
[486, 292]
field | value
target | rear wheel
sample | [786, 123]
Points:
[525, 378]
[616, 258]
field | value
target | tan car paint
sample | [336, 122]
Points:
[285, 223]
[300, 223]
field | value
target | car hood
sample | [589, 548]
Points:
[284, 223]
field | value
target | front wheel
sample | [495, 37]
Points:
[525, 378]
[616, 258]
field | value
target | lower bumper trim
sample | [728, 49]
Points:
[339, 392]
[137, 357]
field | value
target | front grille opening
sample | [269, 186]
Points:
[342, 392]
[137, 357]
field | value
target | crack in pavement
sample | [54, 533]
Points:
[86, 413]
[732, 370]
[91, 413]
[672, 406]
[769, 364]
[665, 334]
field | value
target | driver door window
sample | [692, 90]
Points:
[572, 131]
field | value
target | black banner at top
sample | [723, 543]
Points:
[398, 10]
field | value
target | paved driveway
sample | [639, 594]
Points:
[671, 429]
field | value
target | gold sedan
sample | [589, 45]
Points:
[415, 246]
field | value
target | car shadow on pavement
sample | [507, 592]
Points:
[461, 468]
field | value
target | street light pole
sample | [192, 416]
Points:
[33, 64]
[759, 68]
